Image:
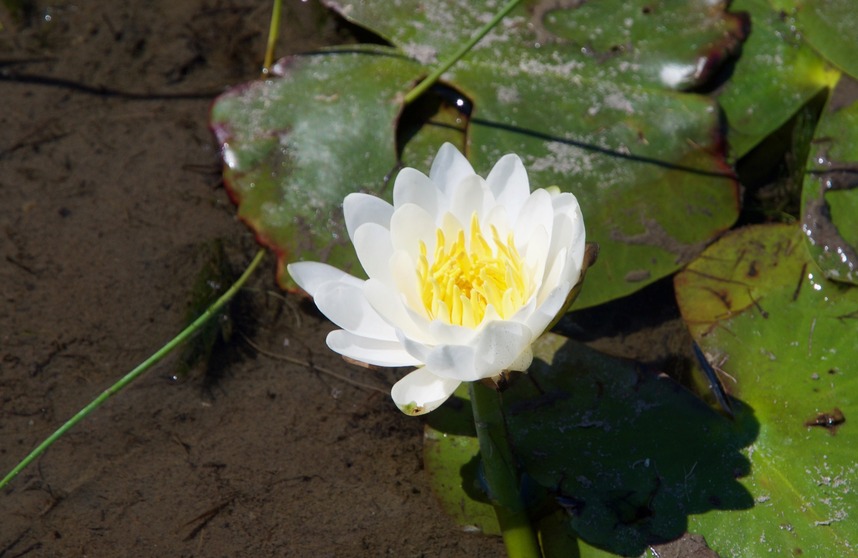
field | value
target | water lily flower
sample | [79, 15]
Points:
[465, 273]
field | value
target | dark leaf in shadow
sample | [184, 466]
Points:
[629, 454]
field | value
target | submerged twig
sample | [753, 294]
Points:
[312, 366]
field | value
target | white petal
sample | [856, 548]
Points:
[406, 282]
[374, 250]
[451, 227]
[412, 186]
[345, 305]
[509, 184]
[370, 351]
[449, 168]
[536, 212]
[454, 361]
[421, 392]
[437, 332]
[391, 306]
[522, 361]
[501, 345]
[536, 252]
[566, 202]
[311, 275]
[568, 233]
[449, 334]
[497, 217]
[574, 260]
[362, 208]
[545, 313]
[468, 198]
[495, 349]
[553, 276]
[524, 313]
[419, 350]
[409, 225]
[563, 235]
[574, 263]
[575, 256]
[566, 255]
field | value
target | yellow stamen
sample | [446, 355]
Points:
[462, 280]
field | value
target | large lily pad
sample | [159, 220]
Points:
[775, 76]
[830, 191]
[784, 338]
[645, 161]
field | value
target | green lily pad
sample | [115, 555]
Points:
[628, 453]
[830, 192]
[604, 125]
[451, 459]
[775, 76]
[296, 144]
[830, 26]
[669, 44]
[784, 339]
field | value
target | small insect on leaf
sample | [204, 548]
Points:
[829, 420]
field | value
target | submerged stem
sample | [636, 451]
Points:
[210, 312]
[501, 474]
[430, 80]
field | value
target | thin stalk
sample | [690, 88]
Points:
[430, 80]
[210, 312]
[501, 474]
[273, 31]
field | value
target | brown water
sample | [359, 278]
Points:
[110, 196]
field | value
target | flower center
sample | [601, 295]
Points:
[463, 279]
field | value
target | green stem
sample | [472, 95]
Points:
[273, 30]
[430, 80]
[501, 474]
[210, 312]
